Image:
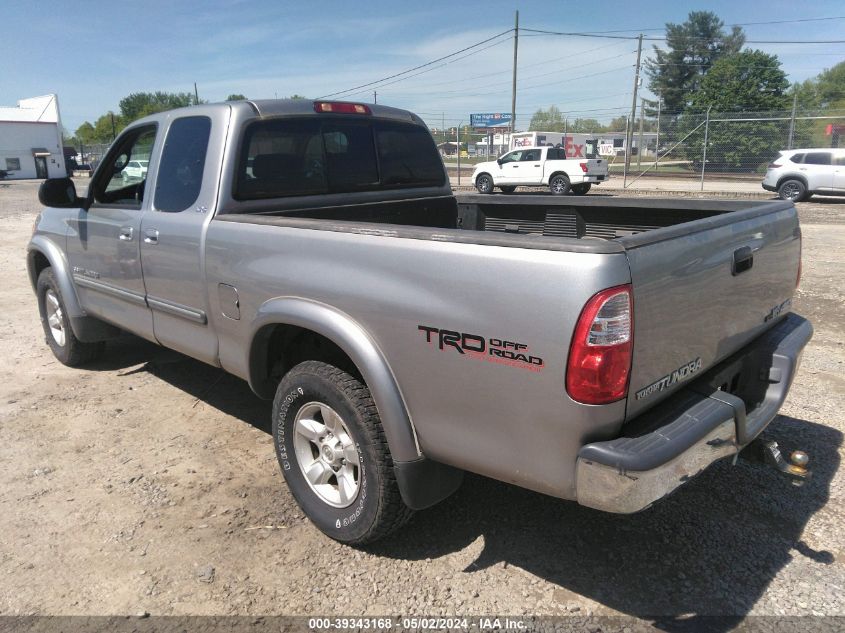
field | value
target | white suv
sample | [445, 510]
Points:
[135, 170]
[797, 174]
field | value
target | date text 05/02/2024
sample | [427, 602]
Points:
[491, 623]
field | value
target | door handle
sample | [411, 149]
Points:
[516, 166]
[537, 165]
[743, 260]
[151, 236]
[126, 233]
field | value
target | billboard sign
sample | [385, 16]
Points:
[490, 120]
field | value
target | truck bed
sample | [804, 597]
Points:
[509, 220]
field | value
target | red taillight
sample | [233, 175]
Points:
[341, 107]
[600, 354]
[584, 167]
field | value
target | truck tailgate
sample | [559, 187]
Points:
[596, 167]
[704, 289]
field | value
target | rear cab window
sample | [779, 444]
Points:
[316, 155]
[182, 164]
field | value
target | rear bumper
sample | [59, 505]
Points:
[699, 425]
[769, 187]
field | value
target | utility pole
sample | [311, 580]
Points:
[792, 119]
[513, 87]
[640, 141]
[196, 95]
[657, 141]
[458, 135]
[704, 153]
[629, 137]
[375, 97]
[625, 162]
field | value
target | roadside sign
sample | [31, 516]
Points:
[490, 120]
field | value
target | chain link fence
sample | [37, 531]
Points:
[714, 151]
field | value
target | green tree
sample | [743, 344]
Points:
[101, 131]
[141, 104]
[236, 97]
[830, 87]
[618, 124]
[585, 125]
[676, 73]
[823, 94]
[750, 81]
[550, 120]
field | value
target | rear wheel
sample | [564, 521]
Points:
[508, 189]
[580, 190]
[559, 184]
[334, 455]
[484, 183]
[793, 190]
[68, 349]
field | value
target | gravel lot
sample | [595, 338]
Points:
[148, 483]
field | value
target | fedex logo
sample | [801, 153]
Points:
[573, 150]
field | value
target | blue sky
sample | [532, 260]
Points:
[93, 53]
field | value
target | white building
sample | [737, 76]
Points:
[31, 139]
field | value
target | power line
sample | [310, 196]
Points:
[661, 28]
[663, 39]
[424, 89]
[521, 67]
[427, 70]
[410, 70]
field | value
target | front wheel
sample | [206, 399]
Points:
[334, 456]
[559, 185]
[582, 189]
[508, 189]
[67, 349]
[484, 183]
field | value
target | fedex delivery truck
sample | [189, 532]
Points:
[575, 145]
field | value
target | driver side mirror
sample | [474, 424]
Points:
[59, 193]
[500, 161]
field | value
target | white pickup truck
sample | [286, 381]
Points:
[540, 166]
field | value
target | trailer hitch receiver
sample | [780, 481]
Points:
[768, 452]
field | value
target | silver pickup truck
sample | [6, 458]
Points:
[593, 349]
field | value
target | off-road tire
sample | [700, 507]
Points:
[73, 352]
[508, 188]
[582, 189]
[377, 509]
[792, 189]
[484, 183]
[559, 185]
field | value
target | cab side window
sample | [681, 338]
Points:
[512, 157]
[123, 176]
[531, 154]
[817, 158]
[182, 164]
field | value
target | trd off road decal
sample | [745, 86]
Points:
[492, 350]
